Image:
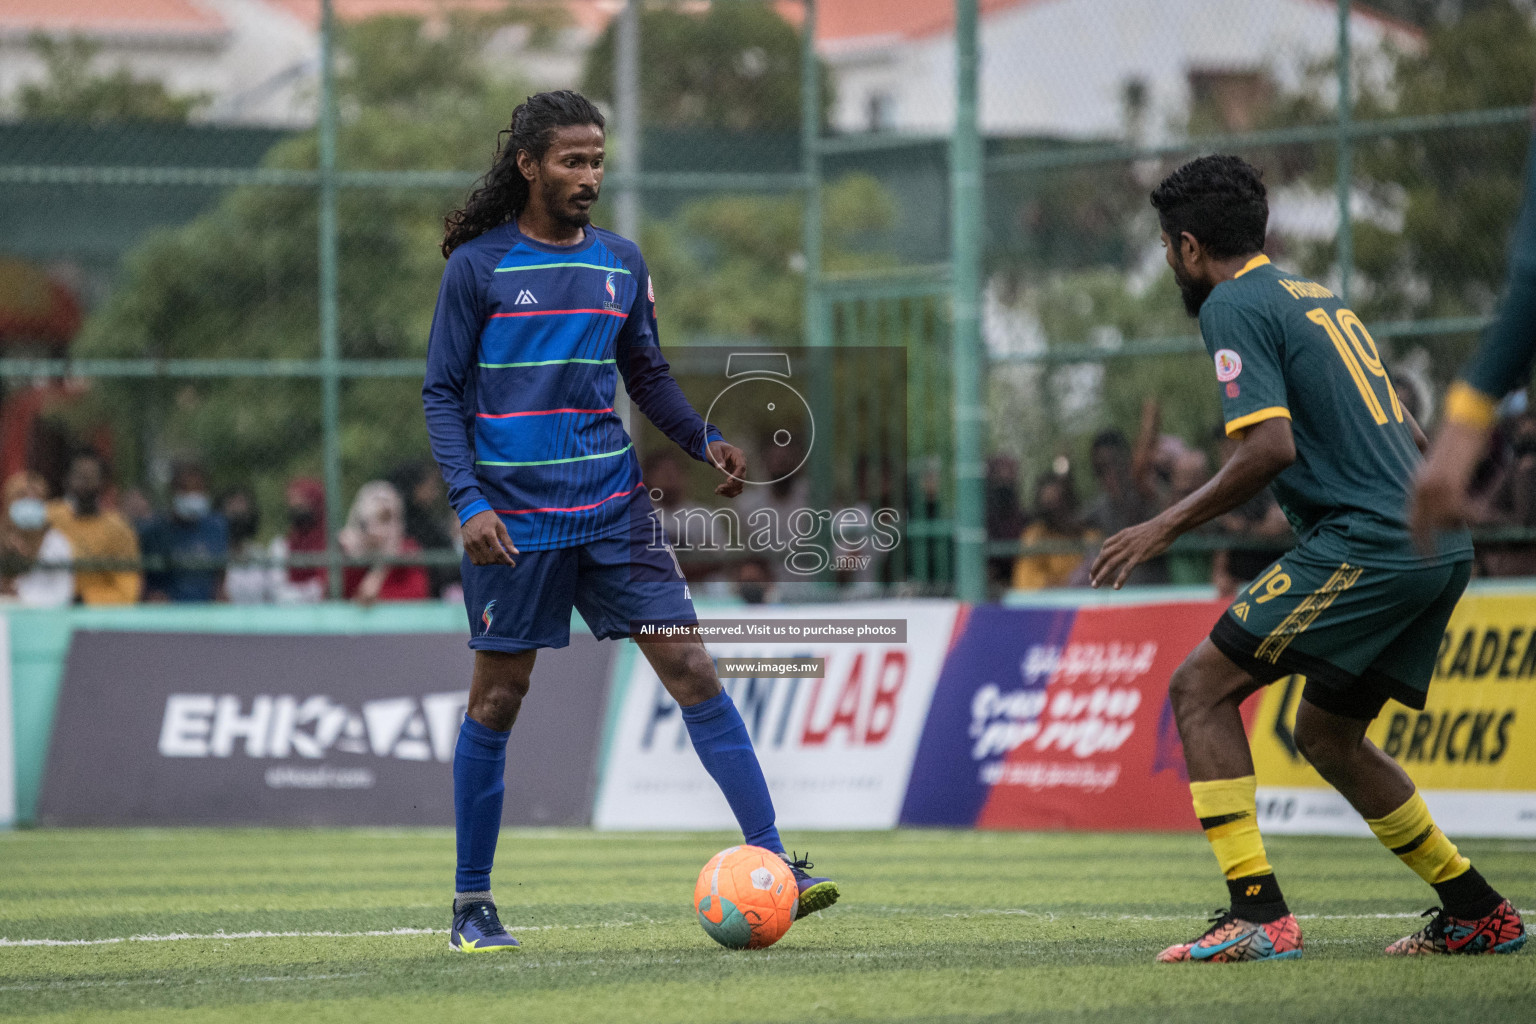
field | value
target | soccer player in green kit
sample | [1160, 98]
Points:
[1354, 607]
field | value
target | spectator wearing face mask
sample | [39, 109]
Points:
[249, 578]
[95, 532]
[376, 527]
[185, 542]
[25, 540]
[306, 536]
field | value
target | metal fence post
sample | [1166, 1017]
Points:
[1346, 155]
[816, 334]
[330, 347]
[965, 154]
[626, 94]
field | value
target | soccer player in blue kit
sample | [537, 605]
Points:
[539, 314]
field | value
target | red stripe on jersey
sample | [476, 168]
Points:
[562, 312]
[535, 412]
[576, 508]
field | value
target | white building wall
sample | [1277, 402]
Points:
[258, 68]
[1060, 67]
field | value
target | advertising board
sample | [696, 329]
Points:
[836, 748]
[162, 728]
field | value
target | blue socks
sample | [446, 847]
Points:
[720, 739]
[479, 764]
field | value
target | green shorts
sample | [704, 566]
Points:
[1360, 635]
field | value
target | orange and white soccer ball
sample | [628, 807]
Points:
[746, 897]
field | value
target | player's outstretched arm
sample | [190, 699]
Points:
[1501, 363]
[1264, 452]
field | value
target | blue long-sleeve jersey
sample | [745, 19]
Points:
[527, 344]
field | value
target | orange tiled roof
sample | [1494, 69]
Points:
[838, 20]
[94, 17]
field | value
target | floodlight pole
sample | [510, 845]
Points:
[330, 347]
[1346, 154]
[965, 158]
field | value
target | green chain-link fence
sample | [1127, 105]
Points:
[260, 297]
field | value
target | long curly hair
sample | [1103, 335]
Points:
[502, 193]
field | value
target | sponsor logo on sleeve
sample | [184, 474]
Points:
[1228, 365]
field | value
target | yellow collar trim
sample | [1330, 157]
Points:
[1258, 261]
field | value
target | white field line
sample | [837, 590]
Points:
[225, 936]
[67, 986]
[412, 932]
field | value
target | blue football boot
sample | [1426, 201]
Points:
[477, 929]
[815, 893]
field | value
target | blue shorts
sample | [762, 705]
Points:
[613, 582]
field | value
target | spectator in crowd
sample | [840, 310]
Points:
[1511, 500]
[754, 580]
[25, 540]
[95, 532]
[1005, 516]
[787, 490]
[1259, 524]
[1127, 492]
[429, 519]
[250, 578]
[702, 536]
[376, 527]
[306, 536]
[135, 507]
[184, 542]
[1189, 470]
[1053, 519]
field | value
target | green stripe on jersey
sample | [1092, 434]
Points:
[552, 266]
[545, 362]
[552, 462]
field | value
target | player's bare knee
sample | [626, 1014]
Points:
[1187, 691]
[693, 679]
[501, 682]
[496, 708]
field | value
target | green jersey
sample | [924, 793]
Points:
[1286, 346]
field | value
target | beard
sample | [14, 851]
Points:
[1194, 293]
[563, 209]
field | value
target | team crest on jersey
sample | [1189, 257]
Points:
[1228, 365]
[650, 288]
[611, 303]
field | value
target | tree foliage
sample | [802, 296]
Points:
[73, 90]
[241, 280]
[734, 66]
[1431, 240]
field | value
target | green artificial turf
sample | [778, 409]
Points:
[943, 926]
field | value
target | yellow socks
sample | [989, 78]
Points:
[1418, 842]
[1228, 811]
